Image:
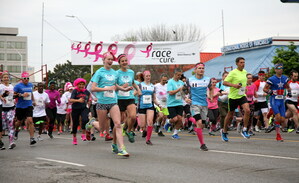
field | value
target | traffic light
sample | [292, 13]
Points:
[290, 1]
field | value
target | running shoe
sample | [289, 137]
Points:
[203, 147]
[123, 152]
[284, 129]
[297, 131]
[149, 143]
[245, 134]
[130, 137]
[75, 141]
[160, 133]
[83, 137]
[87, 135]
[51, 136]
[108, 138]
[291, 130]
[166, 126]
[12, 145]
[32, 141]
[175, 136]
[102, 134]
[169, 129]
[223, 136]
[211, 134]
[39, 138]
[114, 148]
[279, 138]
[88, 125]
[1, 145]
[251, 133]
[144, 133]
[269, 129]
[257, 129]
[93, 138]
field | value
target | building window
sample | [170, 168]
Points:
[15, 57]
[1, 56]
[1, 44]
[15, 68]
[16, 45]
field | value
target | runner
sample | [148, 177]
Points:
[61, 111]
[8, 106]
[126, 99]
[146, 106]
[175, 102]
[223, 99]
[68, 88]
[80, 99]
[275, 88]
[24, 109]
[213, 109]
[41, 99]
[198, 86]
[104, 83]
[237, 81]
[161, 94]
[51, 108]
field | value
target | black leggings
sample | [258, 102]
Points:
[76, 113]
[213, 115]
[60, 119]
[51, 113]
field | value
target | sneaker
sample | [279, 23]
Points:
[166, 126]
[169, 129]
[83, 137]
[284, 129]
[279, 138]
[245, 134]
[291, 130]
[102, 134]
[297, 131]
[123, 152]
[257, 129]
[160, 133]
[108, 138]
[144, 133]
[149, 143]
[75, 141]
[251, 133]
[32, 141]
[130, 137]
[93, 138]
[175, 136]
[211, 134]
[223, 136]
[88, 125]
[12, 145]
[269, 129]
[1, 145]
[39, 138]
[203, 147]
[114, 148]
[87, 135]
[51, 136]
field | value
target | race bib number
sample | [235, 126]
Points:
[241, 91]
[27, 98]
[178, 96]
[279, 97]
[163, 102]
[124, 93]
[109, 93]
[147, 99]
[9, 100]
[295, 93]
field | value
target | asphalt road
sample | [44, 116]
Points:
[260, 159]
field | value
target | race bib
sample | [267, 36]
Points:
[27, 98]
[294, 93]
[9, 100]
[109, 93]
[178, 96]
[280, 97]
[163, 102]
[241, 91]
[40, 102]
[124, 93]
[147, 99]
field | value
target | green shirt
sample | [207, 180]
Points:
[235, 77]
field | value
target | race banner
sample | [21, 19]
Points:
[138, 53]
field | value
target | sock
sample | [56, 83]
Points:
[149, 133]
[192, 120]
[277, 127]
[199, 135]
[175, 132]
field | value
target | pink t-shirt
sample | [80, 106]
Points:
[250, 93]
[214, 103]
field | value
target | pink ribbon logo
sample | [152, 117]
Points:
[148, 50]
[131, 55]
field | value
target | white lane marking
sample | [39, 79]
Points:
[258, 155]
[59, 161]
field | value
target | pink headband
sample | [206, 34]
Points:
[107, 54]
[146, 72]
[25, 75]
[121, 56]
[199, 64]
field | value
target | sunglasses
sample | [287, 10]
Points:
[279, 67]
[26, 78]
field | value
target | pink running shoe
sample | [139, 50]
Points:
[102, 134]
[74, 141]
[83, 137]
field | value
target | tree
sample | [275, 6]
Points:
[163, 32]
[289, 58]
[67, 72]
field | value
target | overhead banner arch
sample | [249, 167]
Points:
[138, 53]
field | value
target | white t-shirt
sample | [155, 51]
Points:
[40, 100]
[67, 95]
[62, 106]
[294, 90]
[9, 101]
[161, 94]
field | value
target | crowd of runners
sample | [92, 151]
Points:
[116, 104]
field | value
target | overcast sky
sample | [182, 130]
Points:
[243, 20]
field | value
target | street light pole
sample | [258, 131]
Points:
[89, 33]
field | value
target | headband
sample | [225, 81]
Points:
[278, 65]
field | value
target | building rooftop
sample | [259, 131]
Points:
[8, 31]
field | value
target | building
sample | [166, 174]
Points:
[13, 52]
[258, 55]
